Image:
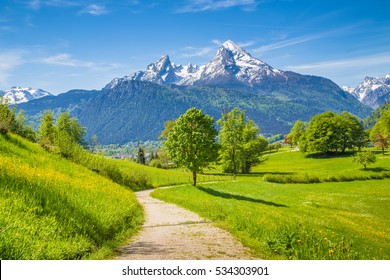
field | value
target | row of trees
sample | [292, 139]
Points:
[328, 133]
[331, 133]
[61, 137]
[191, 141]
[16, 123]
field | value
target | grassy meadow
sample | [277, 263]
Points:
[167, 177]
[331, 219]
[52, 208]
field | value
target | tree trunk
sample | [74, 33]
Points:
[194, 177]
[234, 164]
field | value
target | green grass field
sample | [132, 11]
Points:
[167, 177]
[51, 208]
[329, 220]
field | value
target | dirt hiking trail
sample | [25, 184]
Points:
[173, 233]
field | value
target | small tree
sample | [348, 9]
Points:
[141, 159]
[253, 146]
[47, 131]
[365, 158]
[296, 132]
[380, 133]
[69, 134]
[7, 117]
[191, 143]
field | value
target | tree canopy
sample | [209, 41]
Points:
[241, 145]
[191, 142]
[329, 132]
[380, 133]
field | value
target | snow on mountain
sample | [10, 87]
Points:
[16, 95]
[348, 89]
[231, 64]
[373, 91]
[234, 63]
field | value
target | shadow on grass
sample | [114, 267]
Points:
[330, 155]
[238, 197]
[252, 174]
[376, 169]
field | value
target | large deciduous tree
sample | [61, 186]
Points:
[329, 132]
[191, 142]
[241, 145]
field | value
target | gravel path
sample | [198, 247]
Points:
[173, 233]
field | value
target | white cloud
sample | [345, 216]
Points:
[196, 6]
[34, 4]
[365, 62]
[65, 59]
[189, 52]
[286, 43]
[9, 60]
[94, 9]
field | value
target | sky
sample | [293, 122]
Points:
[59, 45]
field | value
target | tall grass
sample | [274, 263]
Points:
[51, 208]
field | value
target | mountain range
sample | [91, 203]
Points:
[372, 92]
[135, 107]
[17, 95]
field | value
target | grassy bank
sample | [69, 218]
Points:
[166, 177]
[54, 209]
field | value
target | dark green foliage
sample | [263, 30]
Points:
[371, 120]
[332, 133]
[191, 143]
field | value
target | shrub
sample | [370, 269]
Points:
[364, 158]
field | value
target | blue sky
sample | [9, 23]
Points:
[58, 45]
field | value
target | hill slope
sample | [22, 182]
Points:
[54, 209]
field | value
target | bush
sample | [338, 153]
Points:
[156, 163]
[364, 158]
[292, 179]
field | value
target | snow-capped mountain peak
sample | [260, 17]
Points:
[16, 95]
[231, 65]
[373, 91]
[230, 45]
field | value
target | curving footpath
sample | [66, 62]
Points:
[173, 233]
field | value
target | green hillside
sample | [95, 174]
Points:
[54, 209]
